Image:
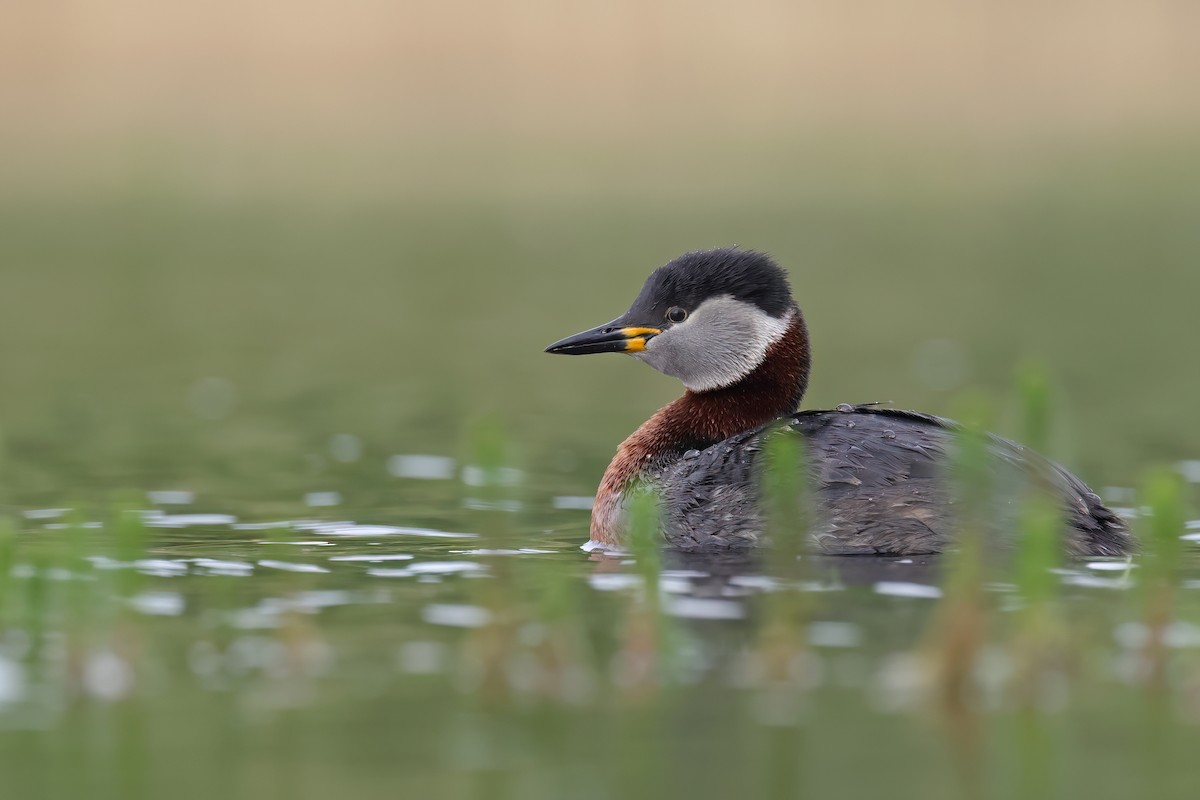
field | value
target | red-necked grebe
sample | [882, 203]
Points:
[724, 322]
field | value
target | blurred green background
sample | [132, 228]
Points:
[369, 218]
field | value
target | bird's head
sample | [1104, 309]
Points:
[707, 317]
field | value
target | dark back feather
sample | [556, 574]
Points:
[881, 486]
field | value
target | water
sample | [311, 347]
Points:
[345, 652]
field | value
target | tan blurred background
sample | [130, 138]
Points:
[265, 89]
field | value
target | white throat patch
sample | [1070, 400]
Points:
[723, 341]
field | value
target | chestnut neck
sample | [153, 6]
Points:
[700, 419]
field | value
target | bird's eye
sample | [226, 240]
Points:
[676, 314]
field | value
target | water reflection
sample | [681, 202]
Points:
[336, 619]
[421, 467]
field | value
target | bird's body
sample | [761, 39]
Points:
[881, 487]
[724, 322]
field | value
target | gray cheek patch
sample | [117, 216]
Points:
[723, 341]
